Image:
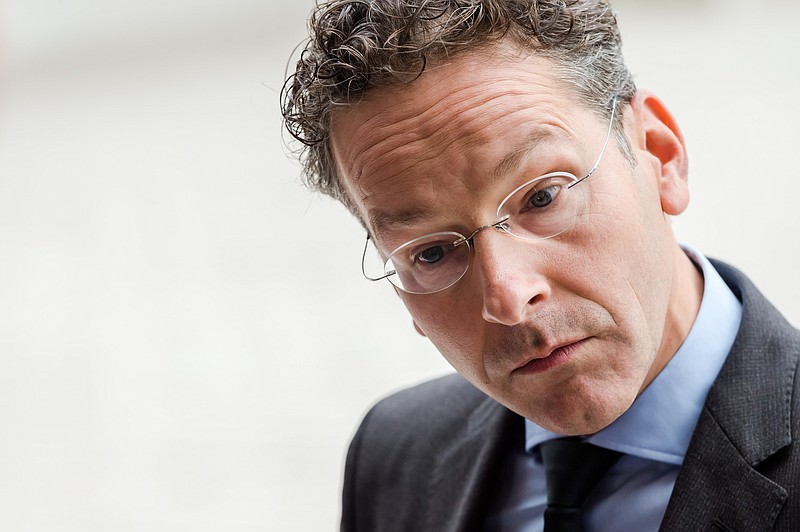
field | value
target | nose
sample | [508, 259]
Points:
[510, 279]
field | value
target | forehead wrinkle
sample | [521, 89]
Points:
[401, 152]
[418, 140]
[427, 117]
[471, 119]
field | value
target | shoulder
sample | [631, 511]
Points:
[762, 365]
[415, 447]
[450, 396]
[435, 408]
[762, 326]
[747, 440]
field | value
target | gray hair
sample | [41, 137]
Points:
[358, 45]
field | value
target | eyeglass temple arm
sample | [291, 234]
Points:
[608, 136]
[363, 268]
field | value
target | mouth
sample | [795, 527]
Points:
[550, 358]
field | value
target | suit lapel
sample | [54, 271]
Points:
[746, 419]
[717, 489]
[464, 474]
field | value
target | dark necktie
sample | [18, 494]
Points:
[572, 469]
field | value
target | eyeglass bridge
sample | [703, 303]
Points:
[500, 225]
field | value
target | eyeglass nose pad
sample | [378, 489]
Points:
[502, 224]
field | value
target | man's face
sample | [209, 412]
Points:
[565, 331]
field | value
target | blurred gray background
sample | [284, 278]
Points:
[186, 342]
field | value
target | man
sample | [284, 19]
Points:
[517, 189]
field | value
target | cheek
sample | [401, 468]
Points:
[624, 263]
[455, 327]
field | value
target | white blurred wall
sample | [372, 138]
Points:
[186, 342]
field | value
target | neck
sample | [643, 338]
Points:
[687, 294]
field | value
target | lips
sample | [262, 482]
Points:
[550, 358]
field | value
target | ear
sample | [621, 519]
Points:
[416, 327]
[656, 133]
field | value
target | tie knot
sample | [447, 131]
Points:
[572, 470]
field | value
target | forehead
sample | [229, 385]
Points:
[474, 115]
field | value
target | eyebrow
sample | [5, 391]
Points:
[382, 221]
[513, 159]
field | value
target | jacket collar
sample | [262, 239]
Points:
[746, 419]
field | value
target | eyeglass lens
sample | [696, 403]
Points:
[541, 208]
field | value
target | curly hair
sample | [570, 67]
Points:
[358, 45]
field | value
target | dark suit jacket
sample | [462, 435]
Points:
[428, 458]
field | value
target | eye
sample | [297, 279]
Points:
[431, 255]
[544, 197]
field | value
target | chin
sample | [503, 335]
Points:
[583, 426]
[579, 418]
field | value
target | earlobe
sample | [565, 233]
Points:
[657, 133]
[416, 328]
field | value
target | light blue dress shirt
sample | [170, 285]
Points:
[653, 434]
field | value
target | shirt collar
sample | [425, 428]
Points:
[660, 423]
